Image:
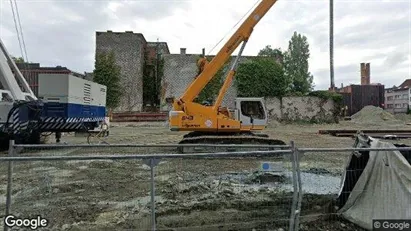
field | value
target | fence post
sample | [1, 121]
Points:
[300, 189]
[152, 163]
[9, 182]
[295, 187]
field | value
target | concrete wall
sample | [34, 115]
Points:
[128, 49]
[307, 108]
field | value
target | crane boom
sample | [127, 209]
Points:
[11, 82]
[241, 35]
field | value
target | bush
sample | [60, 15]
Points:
[262, 77]
[326, 95]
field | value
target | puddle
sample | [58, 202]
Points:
[319, 184]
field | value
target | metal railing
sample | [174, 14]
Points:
[288, 155]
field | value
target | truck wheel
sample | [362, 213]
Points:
[34, 138]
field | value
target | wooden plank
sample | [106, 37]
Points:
[376, 135]
[344, 134]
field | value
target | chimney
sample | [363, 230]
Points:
[203, 52]
[183, 51]
[365, 74]
[368, 73]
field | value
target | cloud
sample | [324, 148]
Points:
[65, 33]
[377, 31]
[396, 59]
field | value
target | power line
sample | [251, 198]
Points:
[21, 30]
[15, 26]
[234, 26]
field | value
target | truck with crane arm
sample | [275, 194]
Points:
[65, 104]
[214, 124]
[19, 107]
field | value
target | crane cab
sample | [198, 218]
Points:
[251, 112]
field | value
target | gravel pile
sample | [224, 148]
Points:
[371, 114]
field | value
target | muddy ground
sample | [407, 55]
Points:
[191, 194]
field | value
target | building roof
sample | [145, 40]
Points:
[35, 67]
[164, 44]
[403, 87]
[119, 33]
[406, 83]
[396, 89]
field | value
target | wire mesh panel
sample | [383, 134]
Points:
[321, 176]
[223, 194]
[83, 194]
[370, 185]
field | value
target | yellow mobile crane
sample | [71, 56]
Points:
[214, 124]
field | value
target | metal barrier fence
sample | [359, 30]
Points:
[94, 187]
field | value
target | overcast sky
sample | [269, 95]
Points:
[62, 32]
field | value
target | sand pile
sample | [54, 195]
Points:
[371, 114]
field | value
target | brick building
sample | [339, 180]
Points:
[130, 50]
[137, 58]
[31, 71]
[398, 99]
[356, 97]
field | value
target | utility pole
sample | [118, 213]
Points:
[332, 85]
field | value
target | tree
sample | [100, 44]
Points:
[296, 64]
[211, 90]
[267, 51]
[107, 73]
[262, 77]
[18, 60]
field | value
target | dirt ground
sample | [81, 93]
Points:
[191, 194]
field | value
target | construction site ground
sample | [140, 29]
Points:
[203, 194]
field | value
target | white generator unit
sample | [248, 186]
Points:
[70, 102]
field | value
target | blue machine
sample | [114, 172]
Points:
[71, 103]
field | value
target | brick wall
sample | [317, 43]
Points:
[179, 71]
[129, 50]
